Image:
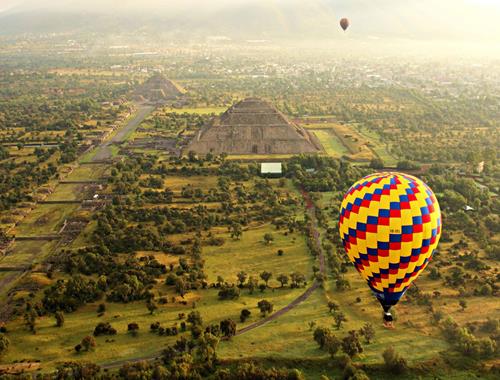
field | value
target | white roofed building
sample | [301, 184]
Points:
[271, 169]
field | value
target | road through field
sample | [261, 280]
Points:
[311, 210]
[103, 152]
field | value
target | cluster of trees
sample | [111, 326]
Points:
[327, 174]
[174, 123]
[349, 344]
[188, 366]
[32, 111]
[464, 341]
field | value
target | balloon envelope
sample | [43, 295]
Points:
[344, 23]
[390, 224]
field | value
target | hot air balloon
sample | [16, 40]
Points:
[390, 224]
[344, 23]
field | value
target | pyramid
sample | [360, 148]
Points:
[157, 88]
[253, 126]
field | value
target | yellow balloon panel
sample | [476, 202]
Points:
[390, 224]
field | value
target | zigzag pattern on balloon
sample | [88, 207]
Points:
[390, 224]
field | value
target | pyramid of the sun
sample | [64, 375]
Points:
[157, 88]
[253, 126]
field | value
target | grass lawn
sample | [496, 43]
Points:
[253, 256]
[197, 181]
[27, 252]
[84, 237]
[332, 145]
[45, 219]
[52, 344]
[415, 336]
[287, 337]
[87, 173]
[66, 192]
[378, 145]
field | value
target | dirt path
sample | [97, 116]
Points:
[311, 210]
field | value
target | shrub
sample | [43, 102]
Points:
[394, 363]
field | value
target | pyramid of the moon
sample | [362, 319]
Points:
[157, 88]
[253, 126]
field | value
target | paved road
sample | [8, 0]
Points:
[311, 210]
[104, 150]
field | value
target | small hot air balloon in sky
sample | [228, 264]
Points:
[390, 224]
[344, 23]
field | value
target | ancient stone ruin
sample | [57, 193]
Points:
[157, 89]
[253, 126]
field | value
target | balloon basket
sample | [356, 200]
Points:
[389, 325]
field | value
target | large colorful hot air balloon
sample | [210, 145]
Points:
[390, 224]
[344, 23]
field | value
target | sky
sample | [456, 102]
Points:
[471, 20]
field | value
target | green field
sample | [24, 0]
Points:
[26, 252]
[66, 192]
[253, 256]
[87, 172]
[45, 219]
[332, 145]
[378, 145]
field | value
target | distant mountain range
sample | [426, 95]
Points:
[417, 19]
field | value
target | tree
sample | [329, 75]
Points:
[342, 284]
[88, 343]
[268, 238]
[463, 304]
[265, 307]
[59, 318]
[30, 320]
[4, 344]
[297, 278]
[228, 327]
[220, 280]
[244, 315]
[252, 284]
[104, 328]
[283, 279]
[339, 317]
[394, 363]
[206, 351]
[351, 344]
[180, 286]
[236, 231]
[321, 335]
[133, 328]
[333, 306]
[407, 165]
[332, 344]
[75, 370]
[229, 293]
[266, 276]
[242, 276]
[376, 163]
[152, 307]
[195, 318]
[368, 332]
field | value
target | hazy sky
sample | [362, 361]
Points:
[471, 20]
